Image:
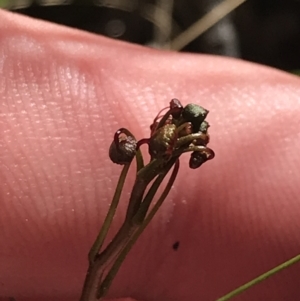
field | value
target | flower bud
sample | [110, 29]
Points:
[197, 159]
[194, 114]
[176, 108]
[123, 148]
[204, 127]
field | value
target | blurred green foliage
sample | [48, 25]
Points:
[296, 72]
[4, 3]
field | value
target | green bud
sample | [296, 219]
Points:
[204, 127]
[194, 114]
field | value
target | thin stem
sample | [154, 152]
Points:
[115, 201]
[139, 160]
[162, 197]
[100, 262]
[140, 215]
[203, 24]
[188, 138]
[109, 217]
[162, 122]
[197, 148]
[137, 222]
[143, 178]
[116, 266]
[163, 20]
[90, 285]
[260, 278]
[97, 267]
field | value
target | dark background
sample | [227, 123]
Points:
[263, 31]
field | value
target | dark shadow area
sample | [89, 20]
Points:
[262, 31]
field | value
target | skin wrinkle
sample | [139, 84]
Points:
[16, 203]
[34, 123]
[71, 120]
[37, 113]
[61, 128]
[223, 241]
[74, 112]
[19, 102]
[51, 116]
[12, 150]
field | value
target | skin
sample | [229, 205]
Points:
[63, 94]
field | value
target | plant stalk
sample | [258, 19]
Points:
[260, 278]
[106, 283]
